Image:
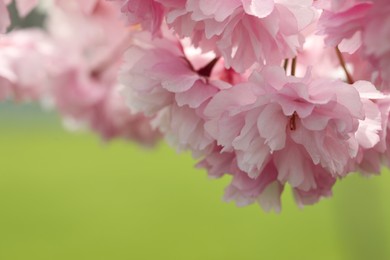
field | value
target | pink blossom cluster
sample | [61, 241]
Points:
[360, 27]
[71, 66]
[264, 127]
[271, 92]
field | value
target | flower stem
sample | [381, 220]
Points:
[344, 66]
[293, 66]
[285, 64]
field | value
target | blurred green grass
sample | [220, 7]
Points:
[70, 196]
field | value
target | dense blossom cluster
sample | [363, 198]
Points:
[72, 66]
[270, 92]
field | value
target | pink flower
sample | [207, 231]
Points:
[323, 188]
[148, 13]
[161, 82]
[85, 89]
[345, 25]
[244, 32]
[372, 134]
[218, 163]
[304, 127]
[98, 24]
[376, 36]
[85, 6]
[265, 189]
[83, 99]
[75, 75]
[27, 61]
[363, 24]
[113, 119]
[207, 76]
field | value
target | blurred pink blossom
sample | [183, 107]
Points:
[244, 32]
[148, 13]
[75, 75]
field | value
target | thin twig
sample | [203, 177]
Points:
[285, 65]
[344, 66]
[293, 66]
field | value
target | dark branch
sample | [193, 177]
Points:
[293, 66]
[344, 66]
[206, 70]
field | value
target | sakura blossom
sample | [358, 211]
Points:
[148, 13]
[244, 32]
[26, 62]
[354, 26]
[292, 123]
[76, 77]
[162, 83]
[270, 93]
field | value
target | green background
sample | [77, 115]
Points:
[71, 196]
